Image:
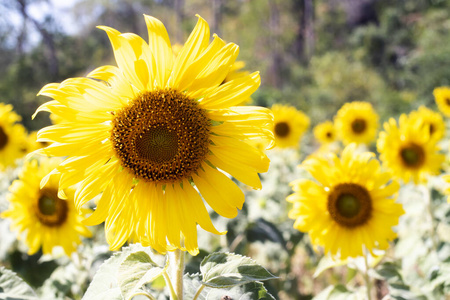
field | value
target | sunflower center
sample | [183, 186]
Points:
[349, 204]
[412, 155]
[282, 129]
[3, 138]
[329, 135]
[432, 129]
[157, 144]
[161, 136]
[447, 101]
[51, 211]
[359, 125]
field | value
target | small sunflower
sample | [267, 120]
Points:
[350, 206]
[289, 125]
[41, 214]
[431, 119]
[325, 132]
[408, 150]
[12, 136]
[442, 98]
[357, 122]
[155, 133]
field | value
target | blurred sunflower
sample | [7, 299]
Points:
[431, 119]
[325, 132]
[356, 122]
[45, 219]
[289, 125]
[31, 143]
[350, 207]
[442, 98]
[13, 137]
[408, 150]
[152, 135]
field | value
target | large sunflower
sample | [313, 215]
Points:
[350, 207]
[156, 132]
[431, 119]
[325, 132]
[45, 218]
[408, 150]
[357, 122]
[442, 98]
[13, 137]
[289, 125]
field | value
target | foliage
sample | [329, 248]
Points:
[390, 53]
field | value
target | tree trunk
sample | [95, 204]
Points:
[179, 19]
[217, 16]
[275, 72]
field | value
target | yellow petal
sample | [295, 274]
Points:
[221, 193]
[159, 43]
[133, 57]
[197, 42]
[194, 204]
[232, 93]
[215, 71]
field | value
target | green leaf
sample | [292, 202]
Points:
[135, 271]
[249, 291]
[191, 283]
[104, 285]
[13, 287]
[390, 272]
[221, 270]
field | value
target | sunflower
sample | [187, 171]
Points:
[432, 120]
[45, 218]
[155, 133]
[442, 98]
[408, 150]
[289, 125]
[12, 136]
[357, 122]
[325, 132]
[350, 207]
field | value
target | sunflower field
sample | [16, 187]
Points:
[225, 149]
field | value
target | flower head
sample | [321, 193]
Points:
[357, 122]
[13, 137]
[430, 119]
[442, 98]
[350, 206]
[325, 132]
[154, 133]
[45, 218]
[289, 125]
[408, 150]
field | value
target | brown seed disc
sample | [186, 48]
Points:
[51, 210]
[161, 136]
[349, 204]
[3, 138]
[412, 156]
[359, 126]
[282, 129]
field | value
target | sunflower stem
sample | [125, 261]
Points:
[173, 295]
[177, 271]
[367, 277]
[200, 289]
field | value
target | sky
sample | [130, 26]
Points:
[59, 9]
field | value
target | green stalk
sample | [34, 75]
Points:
[176, 266]
[367, 277]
